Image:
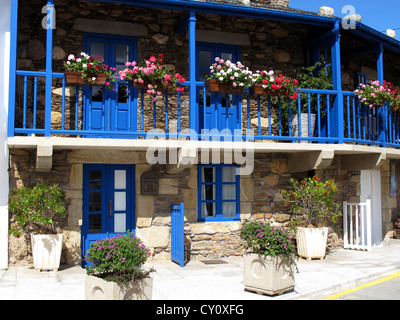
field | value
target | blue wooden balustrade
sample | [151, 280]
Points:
[261, 118]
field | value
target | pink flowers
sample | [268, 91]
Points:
[375, 94]
[154, 74]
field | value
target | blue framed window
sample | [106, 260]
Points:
[218, 192]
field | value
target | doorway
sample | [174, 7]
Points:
[108, 202]
[370, 182]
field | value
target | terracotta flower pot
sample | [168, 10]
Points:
[259, 90]
[75, 78]
[215, 86]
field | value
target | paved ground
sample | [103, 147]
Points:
[224, 281]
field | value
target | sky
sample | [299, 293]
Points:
[379, 15]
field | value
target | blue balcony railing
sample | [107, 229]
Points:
[126, 113]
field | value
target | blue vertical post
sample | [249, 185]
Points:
[193, 114]
[49, 66]
[382, 110]
[337, 125]
[13, 67]
[379, 63]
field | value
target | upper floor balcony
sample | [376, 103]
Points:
[46, 111]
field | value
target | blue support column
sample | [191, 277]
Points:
[193, 112]
[382, 110]
[49, 66]
[379, 63]
[13, 68]
[337, 119]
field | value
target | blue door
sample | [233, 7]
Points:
[217, 111]
[108, 202]
[108, 110]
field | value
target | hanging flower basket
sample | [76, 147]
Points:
[215, 86]
[75, 78]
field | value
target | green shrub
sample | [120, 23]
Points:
[37, 209]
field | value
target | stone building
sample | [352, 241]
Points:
[78, 136]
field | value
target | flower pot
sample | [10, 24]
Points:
[311, 242]
[99, 289]
[268, 275]
[304, 125]
[259, 90]
[215, 86]
[46, 251]
[75, 78]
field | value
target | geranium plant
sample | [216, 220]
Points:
[279, 85]
[38, 209]
[375, 94]
[264, 239]
[118, 259]
[312, 200]
[90, 67]
[154, 75]
[236, 75]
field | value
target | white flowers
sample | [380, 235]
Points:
[71, 57]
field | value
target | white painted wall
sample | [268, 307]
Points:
[4, 80]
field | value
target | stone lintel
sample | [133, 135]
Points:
[110, 27]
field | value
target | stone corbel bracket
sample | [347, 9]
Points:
[311, 160]
[368, 161]
[44, 157]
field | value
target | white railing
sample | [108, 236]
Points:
[357, 231]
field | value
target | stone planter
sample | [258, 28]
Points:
[99, 289]
[268, 275]
[46, 251]
[311, 242]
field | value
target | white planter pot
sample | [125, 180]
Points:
[99, 289]
[46, 251]
[311, 242]
[268, 275]
[304, 125]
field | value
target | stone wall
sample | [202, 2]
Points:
[259, 199]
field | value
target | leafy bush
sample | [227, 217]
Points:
[312, 199]
[117, 259]
[37, 208]
[264, 239]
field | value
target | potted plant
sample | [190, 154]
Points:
[38, 210]
[375, 94]
[114, 269]
[312, 202]
[88, 70]
[317, 76]
[269, 258]
[269, 84]
[229, 77]
[153, 75]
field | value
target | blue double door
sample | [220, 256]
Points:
[109, 110]
[108, 202]
[219, 111]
